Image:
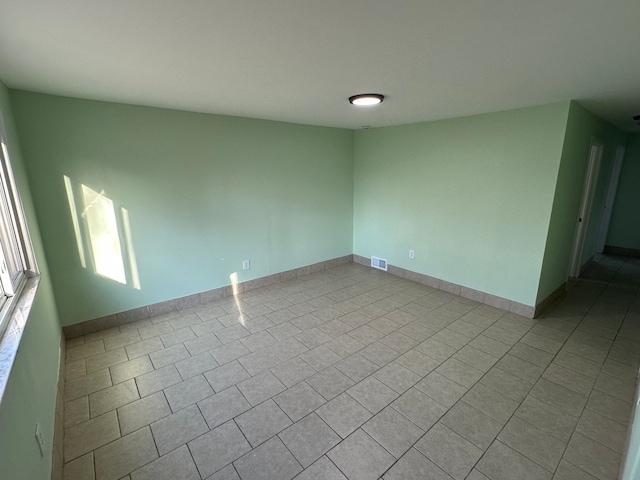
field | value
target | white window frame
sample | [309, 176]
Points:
[17, 260]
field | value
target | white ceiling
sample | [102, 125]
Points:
[299, 60]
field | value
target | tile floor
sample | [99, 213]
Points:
[354, 373]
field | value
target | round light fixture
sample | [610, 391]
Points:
[366, 99]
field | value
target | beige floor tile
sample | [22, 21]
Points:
[397, 377]
[131, 369]
[222, 407]
[188, 392]
[491, 402]
[372, 394]
[86, 384]
[89, 435]
[461, 373]
[76, 411]
[450, 451]
[75, 369]
[442, 389]
[230, 374]
[567, 471]
[178, 429]
[80, 469]
[106, 359]
[507, 384]
[143, 347]
[262, 422]
[300, 336]
[419, 408]
[548, 418]
[393, 431]
[620, 370]
[174, 465]
[560, 397]
[299, 400]
[603, 430]
[122, 340]
[621, 389]
[592, 457]
[415, 466]
[143, 412]
[501, 462]
[218, 448]
[309, 439]
[472, 424]
[533, 443]
[520, 368]
[418, 362]
[577, 364]
[321, 469]
[117, 459]
[85, 350]
[157, 380]
[610, 407]
[343, 414]
[569, 379]
[531, 354]
[270, 461]
[360, 457]
[169, 355]
[436, 350]
[111, 398]
[475, 358]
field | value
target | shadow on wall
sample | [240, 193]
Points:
[101, 232]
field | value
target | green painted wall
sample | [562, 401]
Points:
[203, 193]
[30, 395]
[582, 126]
[472, 196]
[624, 229]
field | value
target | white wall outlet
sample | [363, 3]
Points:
[40, 439]
[246, 265]
[412, 254]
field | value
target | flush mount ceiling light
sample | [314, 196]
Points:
[366, 99]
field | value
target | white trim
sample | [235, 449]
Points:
[611, 198]
[588, 191]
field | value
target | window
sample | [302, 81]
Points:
[17, 261]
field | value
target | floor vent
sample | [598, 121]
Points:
[380, 263]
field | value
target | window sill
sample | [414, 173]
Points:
[10, 340]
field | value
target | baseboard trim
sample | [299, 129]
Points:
[466, 292]
[202, 298]
[550, 299]
[622, 251]
[57, 462]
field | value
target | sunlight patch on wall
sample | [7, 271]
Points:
[74, 219]
[104, 235]
[133, 265]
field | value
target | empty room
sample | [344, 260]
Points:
[319, 240]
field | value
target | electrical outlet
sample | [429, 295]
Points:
[40, 439]
[412, 254]
[246, 265]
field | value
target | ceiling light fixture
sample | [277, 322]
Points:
[366, 99]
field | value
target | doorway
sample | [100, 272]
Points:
[588, 191]
[611, 196]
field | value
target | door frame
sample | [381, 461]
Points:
[607, 210]
[588, 192]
